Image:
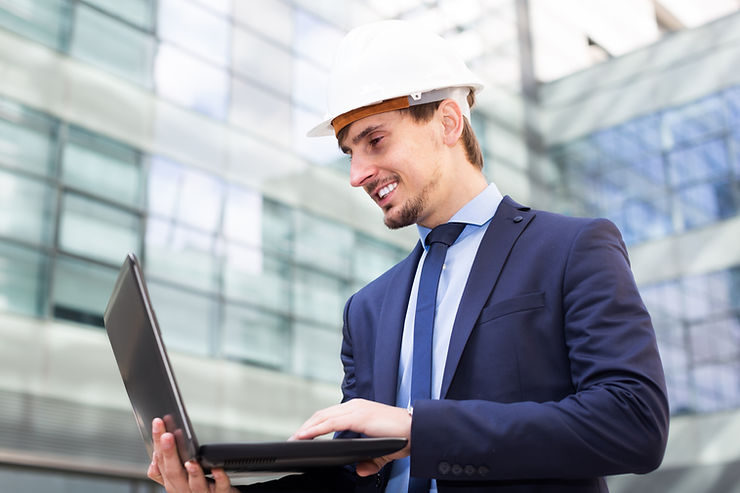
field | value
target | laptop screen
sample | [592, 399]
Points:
[145, 368]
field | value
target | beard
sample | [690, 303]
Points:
[412, 209]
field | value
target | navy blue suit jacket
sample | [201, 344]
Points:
[553, 377]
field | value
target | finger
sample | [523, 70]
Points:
[196, 478]
[223, 484]
[153, 472]
[170, 465]
[157, 430]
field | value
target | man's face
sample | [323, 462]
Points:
[397, 162]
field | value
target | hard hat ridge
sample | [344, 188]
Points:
[390, 65]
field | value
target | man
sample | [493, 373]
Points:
[541, 371]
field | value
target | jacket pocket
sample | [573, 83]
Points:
[521, 303]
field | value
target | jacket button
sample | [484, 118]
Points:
[469, 470]
[457, 469]
[483, 470]
[518, 219]
[444, 467]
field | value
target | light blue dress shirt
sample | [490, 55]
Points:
[460, 256]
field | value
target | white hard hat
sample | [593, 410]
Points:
[390, 65]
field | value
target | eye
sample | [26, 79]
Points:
[375, 141]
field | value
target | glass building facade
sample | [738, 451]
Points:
[175, 129]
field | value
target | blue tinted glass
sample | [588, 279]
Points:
[702, 162]
[707, 203]
[732, 101]
[693, 121]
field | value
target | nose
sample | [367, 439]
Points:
[361, 170]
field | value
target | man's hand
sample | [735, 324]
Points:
[167, 470]
[361, 416]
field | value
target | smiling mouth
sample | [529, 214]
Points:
[386, 190]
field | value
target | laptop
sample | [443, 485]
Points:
[150, 383]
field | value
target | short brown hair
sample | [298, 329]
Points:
[423, 113]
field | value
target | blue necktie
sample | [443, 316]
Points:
[438, 240]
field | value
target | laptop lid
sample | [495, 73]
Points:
[152, 389]
[143, 362]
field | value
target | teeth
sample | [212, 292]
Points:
[387, 189]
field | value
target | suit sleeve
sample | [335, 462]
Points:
[615, 420]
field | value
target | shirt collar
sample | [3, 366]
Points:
[477, 212]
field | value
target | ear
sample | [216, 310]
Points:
[452, 121]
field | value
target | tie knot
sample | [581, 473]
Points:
[445, 233]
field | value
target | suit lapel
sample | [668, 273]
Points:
[390, 329]
[506, 226]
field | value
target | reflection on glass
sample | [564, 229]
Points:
[242, 217]
[190, 196]
[255, 336]
[113, 45]
[97, 230]
[273, 19]
[188, 81]
[25, 208]
[185, 319]
[702, 162]
[22, 280]
[261, 111]
[262, 61]
[99, 166]
[194, 28]
[181, 254]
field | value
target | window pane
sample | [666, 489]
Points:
[277, 227]
[26, 207]
[310, 85]
[102, 167]
[27, 140]
[81, 290]
[262, 61]
[315, 38]
[181, 254]
[139, 12]
[260, 111]
[190, 82]
[243, 216]
[259, 279]
[318, 297]
[189, 196]
[22, 280]
[273, 18]
[113, 45]
[323, 244]
[186, 319]
[196, 29]
[370, 258]
[40, 21]
[98, 231]
[699, 163]
[256, 336]
[316, 352]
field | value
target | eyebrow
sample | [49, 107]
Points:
[356, 140]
